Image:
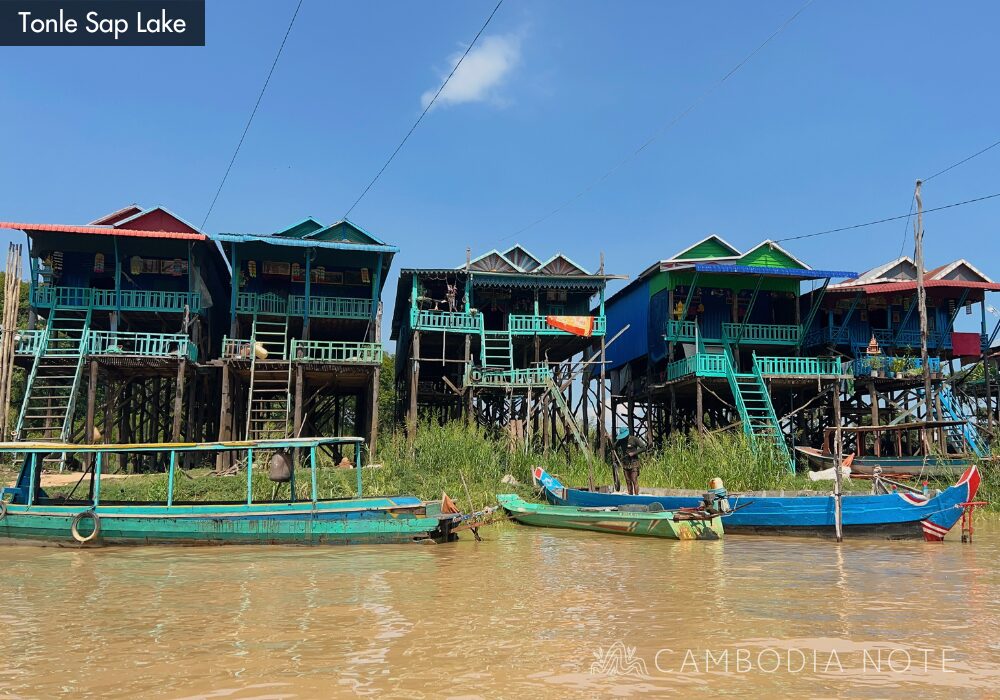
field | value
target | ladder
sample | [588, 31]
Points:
[567, 416]
[497, 350]
[270, 401]
[53, 384]
[760, 423]
[966, 433]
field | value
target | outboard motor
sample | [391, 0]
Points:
[716, 498]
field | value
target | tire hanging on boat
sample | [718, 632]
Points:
[75, 531]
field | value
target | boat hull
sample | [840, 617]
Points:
[344, 523]
[888, 516]
[659, 524]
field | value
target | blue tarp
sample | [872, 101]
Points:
[632, 309]
[774, 271]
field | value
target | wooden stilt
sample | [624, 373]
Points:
[411, 418]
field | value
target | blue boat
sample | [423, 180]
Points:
[893, 516]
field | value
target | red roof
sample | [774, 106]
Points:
[103, 231]
[889, 287]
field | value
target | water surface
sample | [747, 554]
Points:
[526, 612]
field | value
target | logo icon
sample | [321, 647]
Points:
[618, 660]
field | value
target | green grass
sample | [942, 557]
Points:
[443, 455]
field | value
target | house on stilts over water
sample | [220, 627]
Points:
[498, 340]
[303, 352]
[715, 337]
[124, 314]
[873, 320]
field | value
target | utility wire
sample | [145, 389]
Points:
[887, 219]
[906, 227]
[964, 160]
[663, 129]
[426, 109]
[252, 114]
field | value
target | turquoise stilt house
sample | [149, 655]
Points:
[130, 306]
[490, 340]
[715, 335]
[304, 349]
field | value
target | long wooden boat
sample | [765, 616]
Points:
[896, 449]
[28, 515]
[890, 465]
[648, 522]
[889, 516]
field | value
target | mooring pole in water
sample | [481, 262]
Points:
[838, 452]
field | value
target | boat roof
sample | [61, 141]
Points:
[291, 443]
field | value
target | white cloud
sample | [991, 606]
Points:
[480, 74]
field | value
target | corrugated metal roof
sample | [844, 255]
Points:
[890, 287]
[770, 271]
[102, 231]
[302, 243]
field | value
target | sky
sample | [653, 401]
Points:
[828, 125]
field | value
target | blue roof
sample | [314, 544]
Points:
[773, 271]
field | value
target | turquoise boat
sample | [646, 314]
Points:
[624, 520]
[30, 516]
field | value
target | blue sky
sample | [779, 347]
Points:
[828, 125]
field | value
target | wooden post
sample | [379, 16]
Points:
[699, 405]
[373, 414]
[411, 418]
[838, 455]
[175, 429]
[466, 389]
[602, 401]
[225, 419]
[299, 390]
[918, 239]
[91, 403]
[873, 397]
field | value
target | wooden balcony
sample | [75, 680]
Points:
[336, 352]
[761, 333]
[453, 321]
[141, 344]
[297, 305]
[530, 324]
[151, 300]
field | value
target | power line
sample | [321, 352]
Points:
[906, 228]
[887, 219]
[426, 109]
[252, 114]
[666, 127]
[964, 160]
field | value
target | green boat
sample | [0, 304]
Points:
[625, 520]
[28, 515]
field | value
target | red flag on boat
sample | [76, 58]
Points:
[577, 325]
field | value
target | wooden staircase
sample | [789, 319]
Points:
[753, 402]
[569, 420]
[270, 380]
[53, 384]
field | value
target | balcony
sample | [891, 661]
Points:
[530, 324]
[702, 364]
[887, 338]
[28, 342]
[456, 322]
[331, 307]
[800, 366]
[336, 352]
[761, 333]
[529, 377]
[151, 300]
[680, 331]
[889, 366]
[141, 344]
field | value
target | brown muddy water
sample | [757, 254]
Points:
[528, 612]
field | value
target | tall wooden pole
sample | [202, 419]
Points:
[918, 255]
[838, 456]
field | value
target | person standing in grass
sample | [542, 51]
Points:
[627, 448]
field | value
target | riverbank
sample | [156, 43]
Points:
[471, 467]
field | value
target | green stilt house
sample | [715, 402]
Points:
[714, 336]
[126, 309]
[303, 353]
[493, 340]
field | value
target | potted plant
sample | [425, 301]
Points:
[877, 363]
[898, 367]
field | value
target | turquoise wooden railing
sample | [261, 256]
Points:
[531, 376]
[800, 366]
[29, 342]
[702, 364]
[233, 348]
[331, 307]
[530, 324]
[680, 330]
[761, 333]
[152, 300]
[456, 321]
[337, 352]
[141, 344]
